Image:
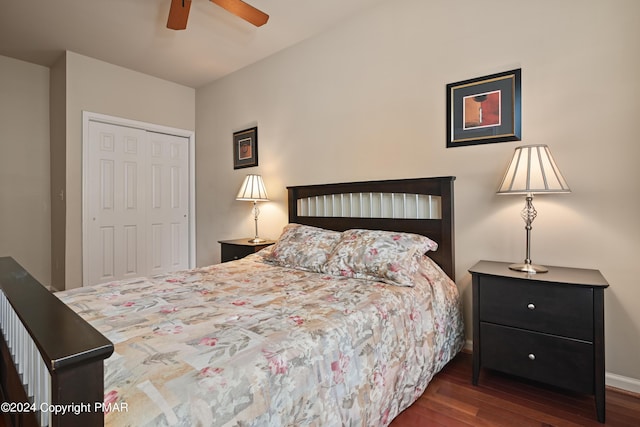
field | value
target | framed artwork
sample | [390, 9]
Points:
[484, 110]
[245, 148]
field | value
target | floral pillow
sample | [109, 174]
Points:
[384, 256]
[303, 247]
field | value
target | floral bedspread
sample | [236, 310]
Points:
[246, 343]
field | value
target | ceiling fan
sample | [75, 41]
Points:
[179, 12]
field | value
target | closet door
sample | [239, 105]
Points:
[136, 203]
[167, 203]
[115, 206]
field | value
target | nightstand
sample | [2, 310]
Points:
[240, 248]
[546, 327]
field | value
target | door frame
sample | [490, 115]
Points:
[88, 116]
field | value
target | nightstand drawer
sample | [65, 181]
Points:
[544, 307]
[550, 359]
[239, 248]
[231, 252]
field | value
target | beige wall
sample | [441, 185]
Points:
[366, 100]
[41, 161]
[25, 231]
[99, 87]
[58, 176]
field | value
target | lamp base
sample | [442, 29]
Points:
[257, 240]
[528, 268]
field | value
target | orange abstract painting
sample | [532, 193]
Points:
[482, 110]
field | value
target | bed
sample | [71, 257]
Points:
[344, 321]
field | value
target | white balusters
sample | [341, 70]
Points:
[31, 367]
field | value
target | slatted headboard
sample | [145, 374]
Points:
[421, 206]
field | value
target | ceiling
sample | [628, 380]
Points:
[133, 33]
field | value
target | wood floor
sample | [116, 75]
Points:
[501, 400]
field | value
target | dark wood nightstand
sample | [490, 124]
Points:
[547, 327]
[240, 248]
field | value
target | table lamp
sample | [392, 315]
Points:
[532, 171]
[253, 190]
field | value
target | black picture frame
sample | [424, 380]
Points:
[485, 109]
[245, 148]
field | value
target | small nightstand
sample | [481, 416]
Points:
[240, 248]
[547, 327]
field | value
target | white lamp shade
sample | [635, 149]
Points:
[253, 190]
[532, 170]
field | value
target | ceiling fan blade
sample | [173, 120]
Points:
[244, 11]
[178, 14]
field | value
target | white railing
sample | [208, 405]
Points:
[31, 367]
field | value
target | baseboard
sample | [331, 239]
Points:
[628, 384]
[624, 383]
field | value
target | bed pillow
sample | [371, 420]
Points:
[303, 247]
[384, 256]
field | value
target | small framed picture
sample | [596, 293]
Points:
[484, 110]
[245, 148]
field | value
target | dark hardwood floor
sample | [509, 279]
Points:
[501, 400]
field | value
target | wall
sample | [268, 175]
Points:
[99, 87]
[24, 166]
[58, 177]
[366, 100]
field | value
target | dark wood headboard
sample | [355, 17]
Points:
[441, 230]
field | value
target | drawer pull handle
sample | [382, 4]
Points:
[531, 306]
[532, 356]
